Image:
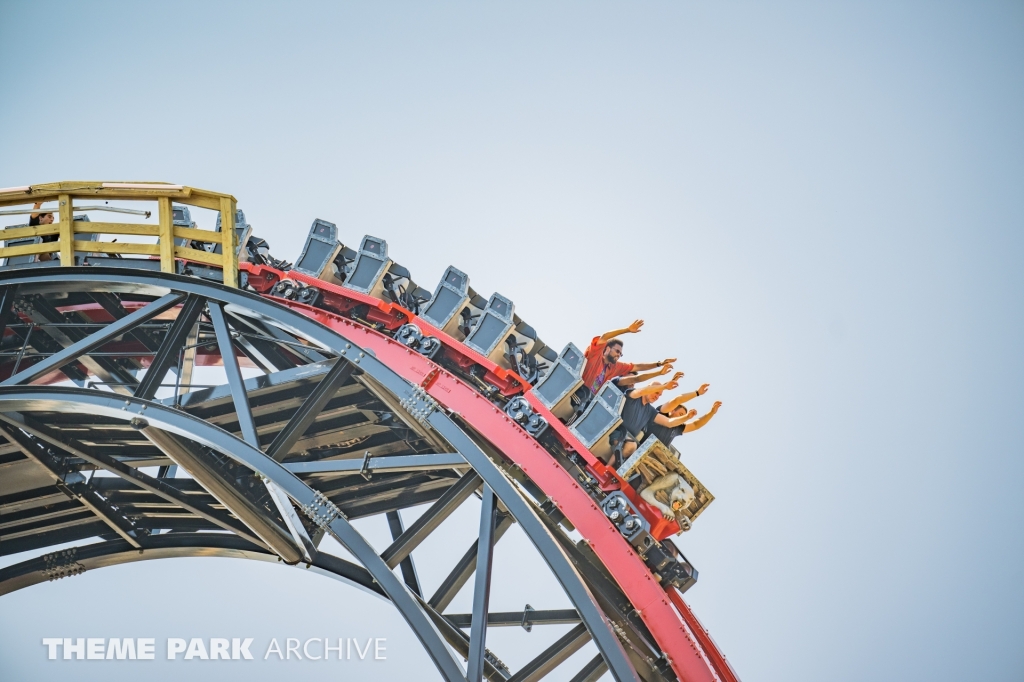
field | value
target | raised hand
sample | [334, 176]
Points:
[635, 327]
[703, 389]
[714, 408]
[677, 376]
[665, 369]
[668, 361]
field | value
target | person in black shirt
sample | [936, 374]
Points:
[674, 409]
[39, 219]
[640, 417]
[661, 430]
[638, 413]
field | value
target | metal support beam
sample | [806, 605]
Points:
[506, 619]
[554, 655]
[187, 364]
[7, 295]
[73, 482]
[162, 419]
[281, 339]
[388, 464]
[53, 335]
[257, 357]
[408, 568]
[185, 455]
[117, 552]
[264, 351]
[113, 305]
[311, 407]
[482, 588]
[93, 341]
[605, 639]
[451, 585]
[292, 521]
[167, 355]
[430, 520]
[494, 669]
[227, 354]
[592, 671]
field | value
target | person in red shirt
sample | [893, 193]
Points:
[603, 359]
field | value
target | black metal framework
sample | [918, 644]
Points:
[328, 434]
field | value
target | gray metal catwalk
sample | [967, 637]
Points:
[327, 434]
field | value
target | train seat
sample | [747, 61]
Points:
[323, 256]
[84, 237]
[366, 273]
[526, 336]
[526, 352]
[564, 378]
[450, 297]
[11, 261]
[455, 306]
[492, 329]
[181, 217]
[602, 416]
[400, 289]
[242, 232]
[546, 352]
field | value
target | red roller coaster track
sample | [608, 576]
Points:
[693, 654]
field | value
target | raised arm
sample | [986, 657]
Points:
[643, 366]
[681, 421]
[633, 379]
[693, 426]
[652, 388]
[631, 329]
[684, 398]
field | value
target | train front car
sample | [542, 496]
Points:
[375, 395]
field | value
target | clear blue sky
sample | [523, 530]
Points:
[817, 207]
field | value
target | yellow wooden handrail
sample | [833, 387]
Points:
[163, 193]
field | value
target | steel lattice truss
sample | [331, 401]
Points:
[337, 428]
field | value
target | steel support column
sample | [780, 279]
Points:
[482, 587]
[459, 575]
[408, 567]
[238, 394]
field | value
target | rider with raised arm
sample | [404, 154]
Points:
[630, 380]
[671, 405]
[603, 358]
[640, 417]
[637, 413]
[667, 425]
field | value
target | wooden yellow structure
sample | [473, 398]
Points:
[654, 459]
[65, 193]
